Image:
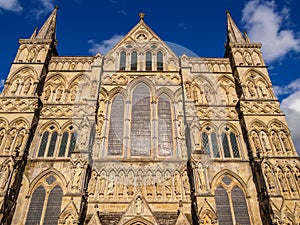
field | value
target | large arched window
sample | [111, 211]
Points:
[122, 60]
[140, 122]
[115, 136]
[148, 61]
[36, 206]
[48, 142]
[210, 142]
[134, 61]
[160, 62]
[231, 203]
[45, 204]
[165, 137]
[230, 143]
[67, 142]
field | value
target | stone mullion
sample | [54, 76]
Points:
[104, 137]
[127, 127]
[154, 128]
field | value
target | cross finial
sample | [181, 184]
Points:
[142, 15]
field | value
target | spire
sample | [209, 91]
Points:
[33, 36]
[48, 30]
[233, 32]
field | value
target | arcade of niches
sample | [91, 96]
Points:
[143, 136]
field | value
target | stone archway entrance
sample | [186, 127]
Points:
[139, 221]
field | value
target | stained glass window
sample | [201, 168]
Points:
[115, 136]
[53, 206]
[36, 206]
[148, 61]
[63, 144]
[215, 145]
[225, 145]
[205, 142]
[134, 61]
[72, 143]
[165, 138]
[43, 145]
[223, 206]
[160, 63]
[234, 145]
[52, 144]
[122, 60]
[239, 206]
[140, 122]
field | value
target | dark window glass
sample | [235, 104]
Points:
[72, 143]
[63, 145]
[234, 145]
[225, 145]
[122, 60]
[223, 206]
[53, 206]
[52, 144]
[215, 145]
[240, 206]
[148, 61]
[140, 137]
[160, 62]
[165, 138]
[115, 136]
[36, 206]
[205, 142]
[43, 144]
[134, 61]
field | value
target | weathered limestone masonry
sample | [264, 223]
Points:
[143, 136]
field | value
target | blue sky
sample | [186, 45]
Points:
[85, 27]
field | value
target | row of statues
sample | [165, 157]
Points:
[18, 87]
[257, 91]
[262, 143]
[152, 187]
[13, 139]
[289, 181]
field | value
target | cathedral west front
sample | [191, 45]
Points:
[142, 136]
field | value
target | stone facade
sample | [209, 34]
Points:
[143, 136]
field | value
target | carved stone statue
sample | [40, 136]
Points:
[200, 179]
[47, 93]
[59, 93]
[276, 142]
[195, 94]
[269, 178]
[100, 122]
[177, 184]
[14, 87]
[186, 184]
[77, 177]
[265, 141]
[92, 184]
[2, 134]
[256, 142]
[286, 142]
[297, 176]
[282, 180]
[139, 205]
[291, 181]
[248, 59]
[73, 94]
[102, 185]
[120, 185]
[251, 89]
[159, 189]
[263, 90]
[10, 139]
[111, 186]
[31, 55]
[4, 175]
[19, 140]
[149, 185]
[27, 86]
[188, 89]
[181, 127]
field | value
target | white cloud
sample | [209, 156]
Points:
[104, 46]
[266, 24]
[294, 86]
[11, 5]
[291, 107]
[182, 26]
[44, 7]
[122, 12]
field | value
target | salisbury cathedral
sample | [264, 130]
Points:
[142, 136]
